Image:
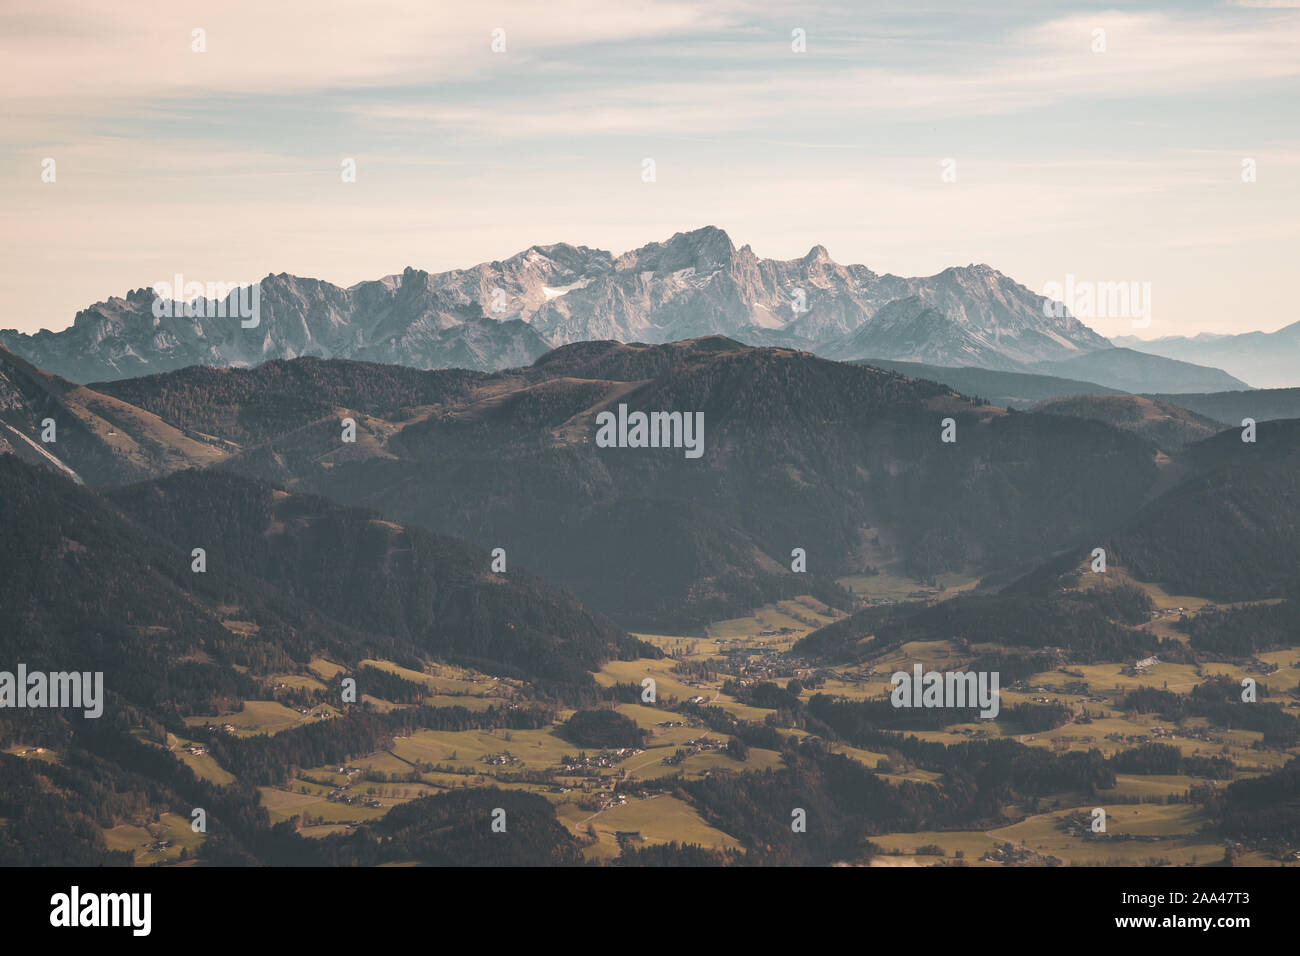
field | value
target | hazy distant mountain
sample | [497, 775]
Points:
[1008, 389]
[1264, 359]
[1132, 371]
[506, 314]
[1101, 372]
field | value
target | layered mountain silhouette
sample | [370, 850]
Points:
[1265, 359]
[508, 313]
[841, 460]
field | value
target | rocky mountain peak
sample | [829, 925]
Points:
[507, 313]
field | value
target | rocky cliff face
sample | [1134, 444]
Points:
[505, 314]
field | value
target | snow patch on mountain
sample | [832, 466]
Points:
[504, 313]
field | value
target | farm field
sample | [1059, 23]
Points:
[332, 799]
[263, 717]
[449, 682]
[160, 842]
[657, 819]
[1177, 826]
[667, 683]
[45, 754]
[971, 843]
[535, 749]
[286, 804]
[205, 766]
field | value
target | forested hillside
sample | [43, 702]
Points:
[798, 452]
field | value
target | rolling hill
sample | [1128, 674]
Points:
[105, 582]
[844, 461]
[97, 438]
[1168, 426]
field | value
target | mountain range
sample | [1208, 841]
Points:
[508, 313]
[1266, 359]
[839, 459]
[224, 687]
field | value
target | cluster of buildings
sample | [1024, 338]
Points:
[1009, 854]
[691, 748]
[603, 760]
[1138, 668]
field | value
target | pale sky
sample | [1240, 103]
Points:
[225, 165]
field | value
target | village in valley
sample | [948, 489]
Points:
[612, 798]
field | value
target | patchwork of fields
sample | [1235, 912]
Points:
[594, 792]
